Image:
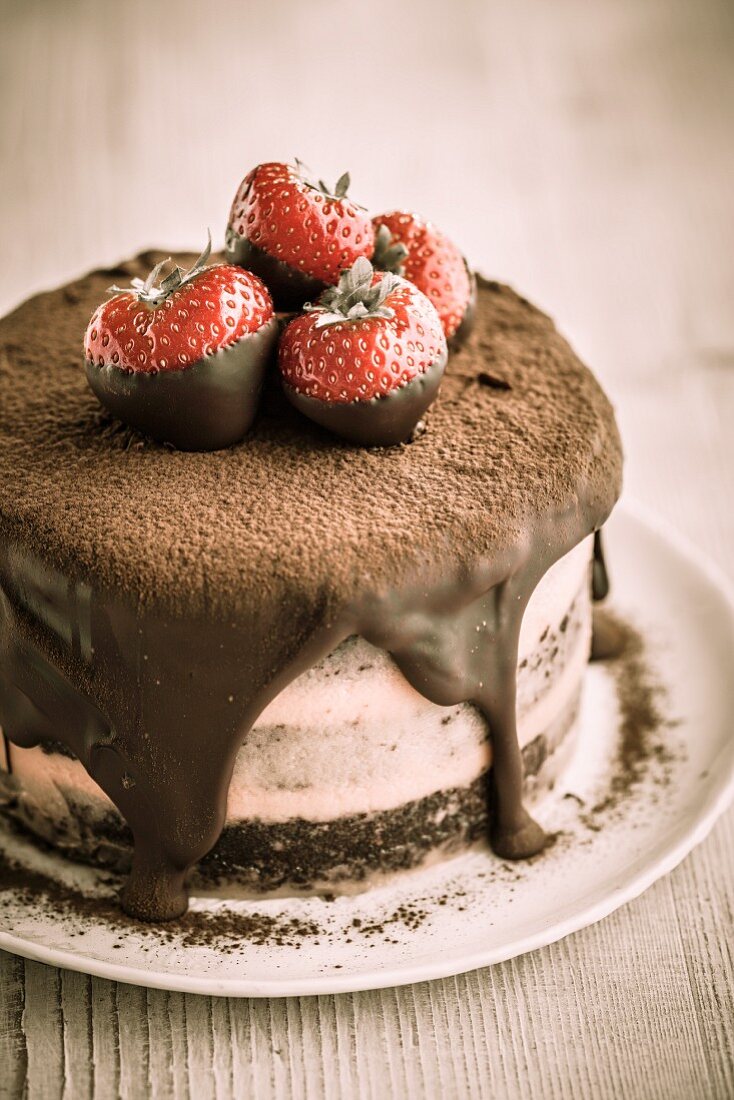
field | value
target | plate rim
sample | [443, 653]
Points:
[718, 800]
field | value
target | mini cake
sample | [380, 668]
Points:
[297, 663]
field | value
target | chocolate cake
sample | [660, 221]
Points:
[294, 664]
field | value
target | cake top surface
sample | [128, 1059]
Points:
[520, 431]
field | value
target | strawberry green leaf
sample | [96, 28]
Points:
[356, 297]
[389, 253]
[342, 185]
[339, 190]
[155, 295]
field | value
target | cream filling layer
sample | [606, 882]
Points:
[430, 760]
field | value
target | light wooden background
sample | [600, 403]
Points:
[581, 149]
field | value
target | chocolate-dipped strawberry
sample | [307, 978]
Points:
[366, 361]
[295, 233]
[184, 361]
[416, 249]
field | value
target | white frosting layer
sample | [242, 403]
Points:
[352, 736]
[384, 757]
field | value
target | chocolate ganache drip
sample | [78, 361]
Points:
[599, 575]
[609, 637]
[157, 601]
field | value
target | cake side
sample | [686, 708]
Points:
[350, 774]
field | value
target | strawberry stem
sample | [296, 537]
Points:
[356, 296]
[338, 191]
[147, 291]
[389, 253]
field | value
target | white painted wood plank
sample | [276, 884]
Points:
[77, 1032]
[134, 1049]
[313, 1050]
[240, 1031]
[42, 1026]
[105, 1041]
[160, 1044]
[13, 1058]
[222, 1060]
[200, 1046]
[176, 1011]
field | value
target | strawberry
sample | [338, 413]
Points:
[190, 315]
[296, 234]
[366, 360]
[417, 250]
[183, 361]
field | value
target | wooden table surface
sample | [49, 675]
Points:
[582, 150]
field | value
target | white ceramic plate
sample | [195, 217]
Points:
[474, 910]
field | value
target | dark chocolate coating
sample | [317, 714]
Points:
[380, 422]
[204, 407]
[289, 287]
[599, 575]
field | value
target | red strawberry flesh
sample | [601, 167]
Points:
[360, 358]
[278, 211]
[433, 263]
[216, 309]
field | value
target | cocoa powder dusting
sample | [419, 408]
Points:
[225, 930]
[640, 698]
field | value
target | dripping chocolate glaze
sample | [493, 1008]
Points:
[599, 575]
[153, 602]
[609, 637]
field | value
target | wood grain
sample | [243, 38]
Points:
[581, 150]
